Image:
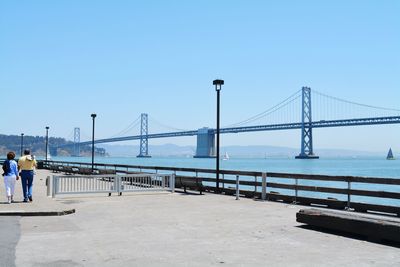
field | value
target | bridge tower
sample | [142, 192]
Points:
[205, 143]
[144, 140]
[77, 140]
[306, 128]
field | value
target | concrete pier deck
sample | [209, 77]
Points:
[164, 229]
[41, 205]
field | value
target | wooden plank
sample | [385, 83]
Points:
[336, 204]
[307, 176]
[345, 191]
[226, 181]
[378, 228]
[365, 207]
[353, 179]
[372, 180]
[330, 203]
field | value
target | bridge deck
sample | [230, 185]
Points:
[272, 127]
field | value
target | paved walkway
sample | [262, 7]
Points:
[41, 205]
[164, 229]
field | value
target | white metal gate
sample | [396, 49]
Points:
[85, 184]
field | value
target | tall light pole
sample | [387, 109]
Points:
[218, 85]
[47, 141]
[93, 117]
[22, 143]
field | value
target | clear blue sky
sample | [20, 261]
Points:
[60, 61]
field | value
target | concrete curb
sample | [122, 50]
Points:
[37, 213]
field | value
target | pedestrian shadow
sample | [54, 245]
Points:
[14, 202]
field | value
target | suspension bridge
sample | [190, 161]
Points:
[294, 112]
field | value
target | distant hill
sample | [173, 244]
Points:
[37, 145]
[233, 151]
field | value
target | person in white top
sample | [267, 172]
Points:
[10, 168]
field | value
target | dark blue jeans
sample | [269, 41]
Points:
[27, 183]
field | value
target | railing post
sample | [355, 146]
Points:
[264, 186]
[54, 181]
[121, 186]
[348, 193]
[48, 186]
[295, 191]
[237, 187]
[163, 181]
[172, 183]
[255, 186]
[116, 183]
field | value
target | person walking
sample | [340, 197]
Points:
[27, 164]
[10, 175]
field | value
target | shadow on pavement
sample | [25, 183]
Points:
[349, 235]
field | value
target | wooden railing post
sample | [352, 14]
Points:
[255, 186]
[348, 193]
[237, 187]
[295, 191]
[264, 186]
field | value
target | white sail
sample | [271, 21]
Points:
[226, 156]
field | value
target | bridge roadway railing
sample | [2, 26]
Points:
[363, 194]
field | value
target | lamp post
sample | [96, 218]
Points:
[93, 117]
[218, 85]
[47, 141]
[22, 143]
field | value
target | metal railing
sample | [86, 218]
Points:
[89, 184]
[339, 192]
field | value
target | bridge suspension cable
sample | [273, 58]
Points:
[85, 136]
[70, 135]
[128, 128]
[354, 103]
[154, 121]
[326, 107]
[286, 103]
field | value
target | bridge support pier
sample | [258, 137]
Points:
[144, 140]
[306, 128]
[205, 143]
[77, 140]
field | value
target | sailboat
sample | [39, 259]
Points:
[390, 154]
[226, 156]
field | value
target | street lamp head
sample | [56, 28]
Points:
[93, 115]
[22, 134]
[47, 127]
[218, 84]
